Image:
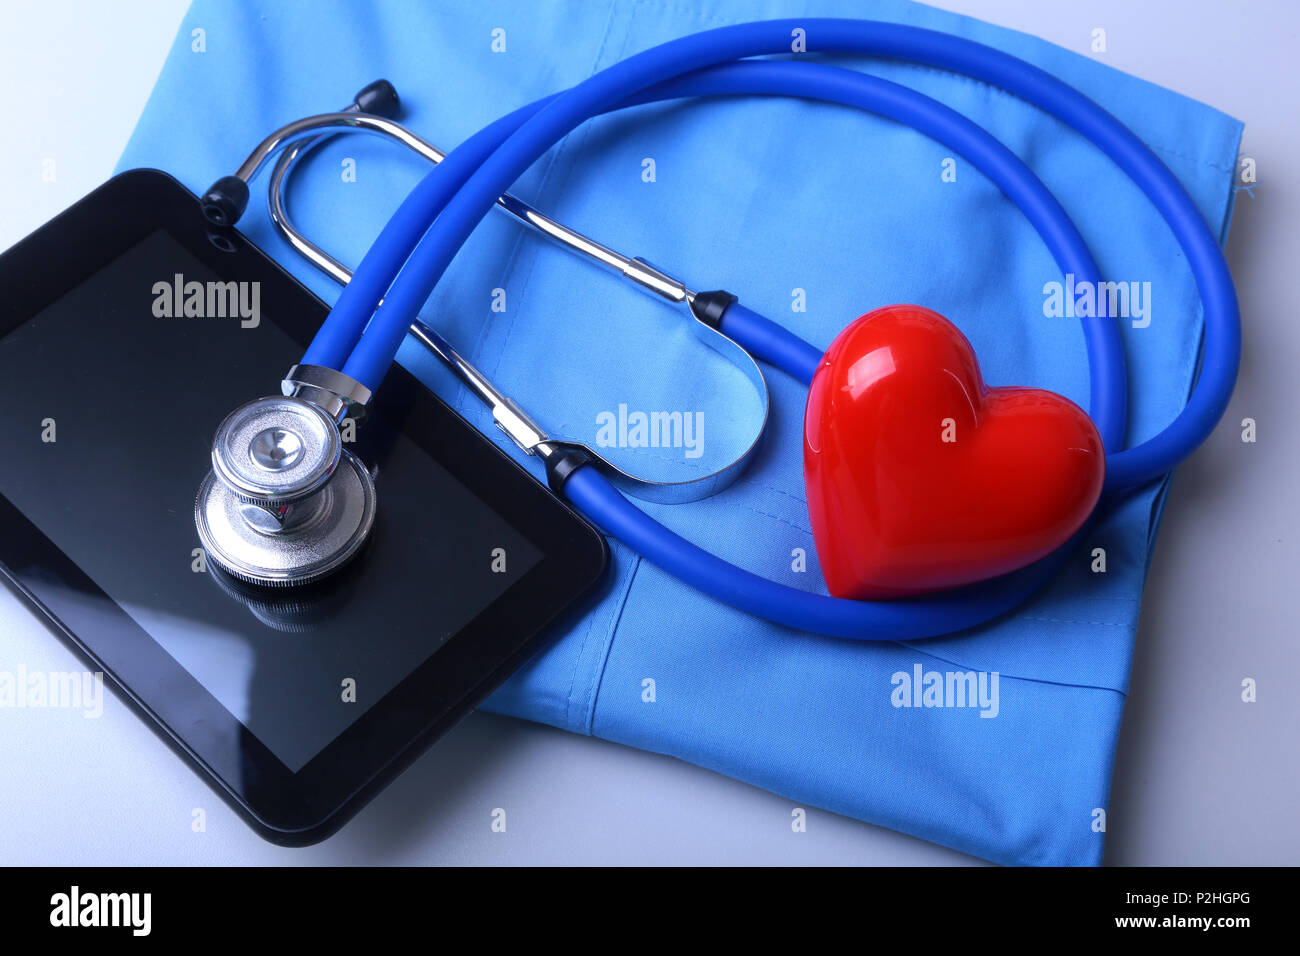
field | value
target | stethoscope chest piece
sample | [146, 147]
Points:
[285, 503]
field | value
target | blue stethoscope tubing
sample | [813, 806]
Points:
[411, 255]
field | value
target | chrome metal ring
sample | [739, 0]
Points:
[339, 524]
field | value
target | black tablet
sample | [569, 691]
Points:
[129, 328]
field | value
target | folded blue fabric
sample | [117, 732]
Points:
[814, 214]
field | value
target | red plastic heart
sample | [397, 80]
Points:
[920, 477]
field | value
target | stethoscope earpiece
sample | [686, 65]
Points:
[379, 99]
[226, 200]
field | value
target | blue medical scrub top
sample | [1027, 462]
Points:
[813, 214]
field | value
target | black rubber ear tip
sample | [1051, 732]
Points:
[225, 201]
[379, 98]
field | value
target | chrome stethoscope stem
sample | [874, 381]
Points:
[310, 129]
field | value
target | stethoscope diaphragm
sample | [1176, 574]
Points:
[284, 503]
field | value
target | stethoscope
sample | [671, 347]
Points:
[286, 503]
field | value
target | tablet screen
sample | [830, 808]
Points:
[113, 393]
